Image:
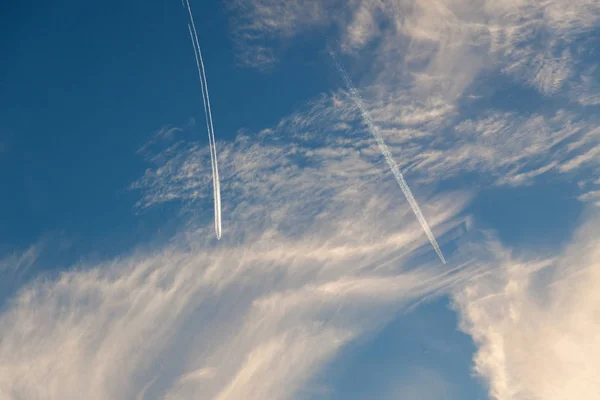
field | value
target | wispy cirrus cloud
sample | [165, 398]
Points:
[591, 196]
[256, 317]
[270, 20]
[318, 251]
[511, 148]
[245, 321]
[436, 46]
[586, 89]
[252, 320]
[426, 66]
[319, 248]
[325, 140]
[16, 268]
[429, 62]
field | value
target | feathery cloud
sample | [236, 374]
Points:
[320, 251]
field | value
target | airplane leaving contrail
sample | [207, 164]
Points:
[388, 157]
[209, 122]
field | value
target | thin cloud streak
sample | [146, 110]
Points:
[252, 320]
[209, 122]
[389, 158]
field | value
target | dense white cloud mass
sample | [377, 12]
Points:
[536, 323]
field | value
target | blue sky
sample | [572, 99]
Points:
[324, 285]
[88, 85]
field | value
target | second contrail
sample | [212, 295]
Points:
[388, 157]
[209, 122]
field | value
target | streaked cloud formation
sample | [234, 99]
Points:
[431, 61]
[430, 71]
[252, 318]
[319, 248]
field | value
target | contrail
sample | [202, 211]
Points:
[209, 122]
[388, 157]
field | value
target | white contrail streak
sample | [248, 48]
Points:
[209, 122]
[213, 155]
[388, 157]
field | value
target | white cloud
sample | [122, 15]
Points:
[551, 74]
[579, 160]
[535, 322]
[254, 22]
[20, 266]
[591, 196]
[505, 148]
[423, 58]
[249, 321]
[317, 242]
[586, 89]
[166, 321]
[316, 251]
[363, 27]
[436, 47]
[17, 261]
[504, 312]
[523, 178]
[165, 132]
